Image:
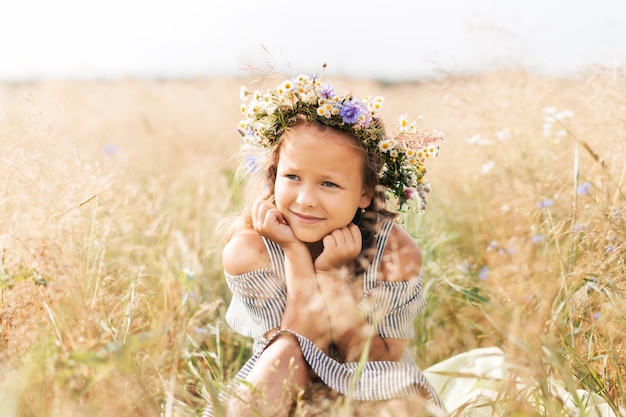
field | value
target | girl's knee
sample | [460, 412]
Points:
[281, 364]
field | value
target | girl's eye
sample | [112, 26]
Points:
[291, 177]
[329, 184]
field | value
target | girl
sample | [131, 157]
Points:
[322, 278]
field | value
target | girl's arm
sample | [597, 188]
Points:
[350, 330]
[305, 311]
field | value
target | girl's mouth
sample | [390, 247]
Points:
[302, 218]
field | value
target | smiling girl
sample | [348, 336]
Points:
[322, 278]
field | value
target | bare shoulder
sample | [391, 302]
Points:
[245, 252]
[402, 259]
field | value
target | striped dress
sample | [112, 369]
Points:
[258, 302]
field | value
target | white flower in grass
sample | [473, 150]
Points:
[487, 167]
[504, 134]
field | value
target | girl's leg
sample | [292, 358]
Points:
[273, 383]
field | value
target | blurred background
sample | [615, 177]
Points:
[391, 40]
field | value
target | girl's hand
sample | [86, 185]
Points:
[341, 247]
[269, 222]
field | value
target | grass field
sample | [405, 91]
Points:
[112, 298]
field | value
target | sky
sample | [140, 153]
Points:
[384, 39]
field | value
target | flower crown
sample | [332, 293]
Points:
[268, 116]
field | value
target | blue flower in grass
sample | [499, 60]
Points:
[482, 275]
[584, 188]
[545, 203]
[538, 238]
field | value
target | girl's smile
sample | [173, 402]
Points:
[306, 219]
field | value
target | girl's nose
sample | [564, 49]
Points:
[306, 197]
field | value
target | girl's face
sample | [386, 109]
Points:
[319, 181]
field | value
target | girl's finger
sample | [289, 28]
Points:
[355, 234]
[260, 214]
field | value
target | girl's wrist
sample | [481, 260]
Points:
[342, 272]
[328, 278]
[295, 248]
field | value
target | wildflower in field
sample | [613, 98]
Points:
[110, 149]
[493, 245]
[596, 315]
[479, 139]
[537, 238]
[555, 123]
[482, 275]
[545, 203]
[509, 250]
[584, 188]
[487, 167]
[504, 134]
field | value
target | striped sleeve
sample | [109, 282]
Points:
[258, 302]
[392, 307]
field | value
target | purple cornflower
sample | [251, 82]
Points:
[584, 188]
[326, 91]
[538, 238]
[545, 203]
[508, 251]
[351, 111]
[482, 275]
